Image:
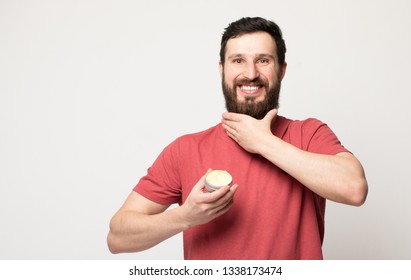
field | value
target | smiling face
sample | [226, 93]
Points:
[251, 74]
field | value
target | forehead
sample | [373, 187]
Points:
[251, 44]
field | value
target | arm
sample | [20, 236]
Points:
[141, 223]
[336, 177]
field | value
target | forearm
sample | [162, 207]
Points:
[131, 231]
[141, 223]
[336, 177]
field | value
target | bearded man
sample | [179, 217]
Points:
[283, 170]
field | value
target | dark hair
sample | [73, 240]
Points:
[250, 25]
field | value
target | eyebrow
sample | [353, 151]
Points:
[237, 55]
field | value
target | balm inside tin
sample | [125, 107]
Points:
[216, 179]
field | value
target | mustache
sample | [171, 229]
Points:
[247, 82]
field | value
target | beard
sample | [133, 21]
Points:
[249, 106]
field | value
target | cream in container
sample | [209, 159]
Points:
[216, 179]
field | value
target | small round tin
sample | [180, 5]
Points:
[216, 179]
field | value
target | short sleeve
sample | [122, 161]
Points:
[319, 138]
[161, 184]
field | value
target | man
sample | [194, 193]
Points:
[283, 170]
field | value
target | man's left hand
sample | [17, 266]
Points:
[247, 131]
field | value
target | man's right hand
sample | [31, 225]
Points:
[141, 223]
[201, 207]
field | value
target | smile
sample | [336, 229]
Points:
[247, 89]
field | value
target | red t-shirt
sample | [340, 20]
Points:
[273, 217]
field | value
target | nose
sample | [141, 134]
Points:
[250, 71]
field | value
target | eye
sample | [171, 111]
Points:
[263, 60]
[237, 60]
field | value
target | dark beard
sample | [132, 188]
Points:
[249, 107]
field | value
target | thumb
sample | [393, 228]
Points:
[271, 115]
[200, 184]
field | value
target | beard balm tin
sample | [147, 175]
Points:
[216, 179]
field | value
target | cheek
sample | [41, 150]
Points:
[270, 76]
[231, 75]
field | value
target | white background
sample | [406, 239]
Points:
[92, 91]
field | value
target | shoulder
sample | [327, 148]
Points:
[284, 126]
[311, 134]
[189, 141]
[200, 135]
[305, 126]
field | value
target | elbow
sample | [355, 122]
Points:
[114, 239]
[352, 186]
[357, 192]
[112, 244]
[118, 244]
[120, 240]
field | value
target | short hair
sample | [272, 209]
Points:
[250, 25]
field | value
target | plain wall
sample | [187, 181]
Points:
[92, 91]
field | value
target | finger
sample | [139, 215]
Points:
[223, 208]
[231, 116]
[271, 115]
[229, 128]
[231, 133]
[213, 197]
[226, 202]
[221, 195]
[200, 184]
[228, 196]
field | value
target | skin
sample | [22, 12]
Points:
[335, 177]
[250, 56]
[140, 223]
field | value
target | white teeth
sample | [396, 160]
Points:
[249, 87]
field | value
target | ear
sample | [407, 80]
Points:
[221, 68]
[283, 69]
